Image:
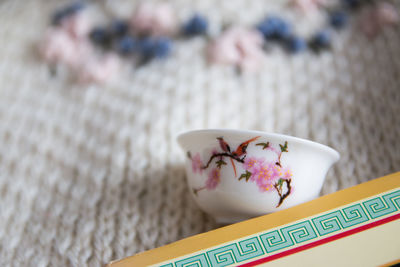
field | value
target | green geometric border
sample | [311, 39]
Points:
[340, 219]
[291, 235]
[235, 252]
[288, 236]
[381, 206]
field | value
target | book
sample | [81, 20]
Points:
[358, 226]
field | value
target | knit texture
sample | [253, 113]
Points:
[89, 174]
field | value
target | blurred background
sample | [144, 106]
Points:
[91, 171]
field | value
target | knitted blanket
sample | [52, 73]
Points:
[93, 173]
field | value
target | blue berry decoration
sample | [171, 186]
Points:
[295, 44]
[126, 45]
[274, 28]
[67, 11]
[146, 48]
[150, 48]
[338, 19]
[119, 27]
[195, 26]
[100, 36]
[162, 47]
[321, 40]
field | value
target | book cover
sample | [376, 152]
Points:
[358, 226]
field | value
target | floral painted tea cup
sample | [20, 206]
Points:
[236, 175]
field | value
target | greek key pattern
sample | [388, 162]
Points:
[381, 206]
[288, 236]
[236, 252]
[340, 219]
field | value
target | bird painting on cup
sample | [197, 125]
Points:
[240, 150]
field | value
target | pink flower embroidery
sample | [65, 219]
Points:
[387, 14]
[59, 47]
[99, 70]
[214, 178]
[197, 164]
[238, 46]
[266, 174]
[153, 19]
[68, 44]
[77, 25]
[373, 20]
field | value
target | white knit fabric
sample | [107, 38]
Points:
[90, 174]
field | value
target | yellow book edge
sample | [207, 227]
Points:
[240, 230]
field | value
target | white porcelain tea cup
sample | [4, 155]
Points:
[238, 174]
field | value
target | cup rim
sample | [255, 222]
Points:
[290, 138]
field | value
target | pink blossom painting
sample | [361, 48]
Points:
[269, 175]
